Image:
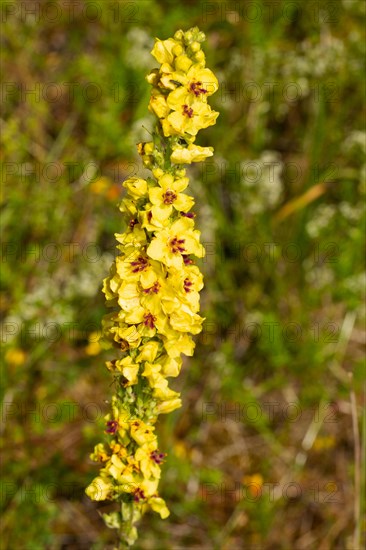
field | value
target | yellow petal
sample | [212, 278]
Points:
[168, 406]
[99, 489]
[148, 351]
[162, 50]
[192, 153]
[136, 187]
[158, 505]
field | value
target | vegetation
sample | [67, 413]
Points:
[267, 451]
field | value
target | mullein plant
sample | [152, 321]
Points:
[154, 285]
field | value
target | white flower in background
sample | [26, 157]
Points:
[140, 44]
[263, 178]
[50, 302]
[356, 283]
[87, 281]
[350, 212]
[318, 276]
[356, 140]
[322, 216]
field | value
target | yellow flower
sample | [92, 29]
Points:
[15, 357]
[149, 487]
[129, 480]
[148, 351]
[149, 459]
[158, 505]
[129, 369]
[166, 78]
[254, 483]
[184, 320]
[141, 432]
[135, 237]
[188, 118]
[115, 467]
[167, 180]
[121, 333]
[153, 285]
[136, 187]
[100, 453]
[118, 422]
[136, 266]
[128, 296]
[182, 63]
[154, 293]
[93, 347]
[170, 366]
[100, 185]
[163, 50]
[198, 82]
[111, 285]
[153, 77]
[170, 244]
[187, 283]
[166, 407]
[118, 449]
[162, 390]
[192, 153]
[100, 488]
[147, 321]
[127, 206]
[158, 104]
[169, 195]
[155, 217]
[157, 381]
[175, 345]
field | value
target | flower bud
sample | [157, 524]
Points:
[178, 35]
[183, 63]
[153, 77]
[147, 161]
[180, 173]
[200, 57]
[178, 50]
[149, 147]
[157, 173]
[195, 46]
[188, 37]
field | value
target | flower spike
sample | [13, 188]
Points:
[154, 285]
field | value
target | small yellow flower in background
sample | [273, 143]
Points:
[113, 192]
[254, 483]
[153, 286]
[104, 186]
[93, 347]
[324, 442]
[180, 449]
[100, 186]
[15, 357]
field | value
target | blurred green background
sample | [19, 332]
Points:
[266, 452]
